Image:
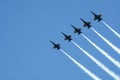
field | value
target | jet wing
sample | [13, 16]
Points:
[75, 31]
[89, 23]
[100, 15]
[65, 38]
[84, 25]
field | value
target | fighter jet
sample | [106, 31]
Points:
[76, 30]
[57, 46]
[97, 17]
[67, 37]
[86, 24]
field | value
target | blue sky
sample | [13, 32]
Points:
[27, 26]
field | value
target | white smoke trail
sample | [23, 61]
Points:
[81, 66]
[111, 73]
[107, 41]
[118, 35]
[117, 63]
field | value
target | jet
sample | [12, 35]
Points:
[57, 46]
[97, 16]
[86, 24]
[76, 30]
[67, 37]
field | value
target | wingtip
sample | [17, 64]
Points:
[51, 41]
[81, 19]
[71, 25]
[91, 11]
[62, 32]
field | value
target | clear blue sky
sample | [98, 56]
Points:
[27, 26]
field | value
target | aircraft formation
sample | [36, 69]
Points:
[78, 30]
